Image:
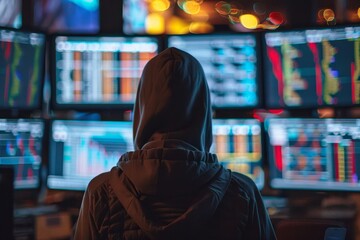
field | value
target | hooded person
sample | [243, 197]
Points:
[171, 186]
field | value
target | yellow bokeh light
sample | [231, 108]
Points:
[358, 12]
[155, 24]
[249, 21]
[200, 27]
[202, 16]
[191, 7]
[329, 15]
[176, 25]
[159, 5]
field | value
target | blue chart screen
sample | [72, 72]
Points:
[21, 143]
[230, 65]
[67, 15]
[318, 154]
[10, 12]
[22, 64]
[237, 144]
[80, 150]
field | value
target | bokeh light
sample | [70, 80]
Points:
[320, 15]
[268, 26]
[191, 7]
[155, 24]
[329, 15]
[159, 5]
[201, 16]
[249, 21]
[200, 27]
[223, 8]
[259, 8]
[358, 12]
[176, 25]
[276, 18]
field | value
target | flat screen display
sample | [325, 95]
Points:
[312, 68]
[231, 65]
[238, 146]
[80, 150]
[22, 63]
[11, 13]
[21, 148]
[98, 72]
[314, 154]
[78, 16]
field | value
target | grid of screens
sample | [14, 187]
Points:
[67, 15]
[99, 71]
[237, 143]
[80, 150]
[10, 12]
[312, 68]
[21, 146]
[22, 60]
[314, 154]
[230, 63]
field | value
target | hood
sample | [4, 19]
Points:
[173, 101]
[171, 185]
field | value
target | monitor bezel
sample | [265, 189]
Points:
[259, 83]
[98, 107]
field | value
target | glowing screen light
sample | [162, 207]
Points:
[67, 15]
[10, 13]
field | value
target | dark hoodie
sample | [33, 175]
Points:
[171, 187]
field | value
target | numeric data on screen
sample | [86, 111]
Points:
[100, 70]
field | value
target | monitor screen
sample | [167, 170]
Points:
[99, 71]
[21, 147]
[80, 16]
[312, 67]
[11, 13]
[314, 154]
[22, 63]
[80, 150]
[237, 144]
[231, 66]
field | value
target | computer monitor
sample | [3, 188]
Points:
[82, 149]
[312, 68]
[238, 146]
[231, 66]
[21, 147]
[97, 72]
[11, 13]
[67, 15]
[314, 154]
[22, 63]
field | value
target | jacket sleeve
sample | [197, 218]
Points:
[259, 224]
[85, 227]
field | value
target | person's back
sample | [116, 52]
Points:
[171, 187]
